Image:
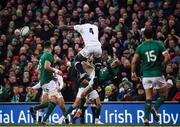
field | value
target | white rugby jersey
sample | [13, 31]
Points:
[89, 33]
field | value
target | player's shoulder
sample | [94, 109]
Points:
[158, 43]
[155, 42]
[88, 25]
[140, 45]
[47, 53]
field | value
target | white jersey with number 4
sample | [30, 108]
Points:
[89, 33]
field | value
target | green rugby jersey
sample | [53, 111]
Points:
[45, 76]
[150, 53]
[105, 74]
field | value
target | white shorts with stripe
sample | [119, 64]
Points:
[52, 89]
[92, 95]
[154, 82]
[96, 50]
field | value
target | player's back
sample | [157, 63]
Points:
[151, 54]
[89, 33]
[45, 75]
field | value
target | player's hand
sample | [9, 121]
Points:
[60, 72]
[134, 77]
[57, 71]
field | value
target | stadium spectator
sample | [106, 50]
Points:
[125, 91]
[140, 94]
[5, 94]
[16, 94]
[109, 95]
[177, 93]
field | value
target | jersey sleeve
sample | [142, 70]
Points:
[49, 57]
[162, 47]
[78, 28]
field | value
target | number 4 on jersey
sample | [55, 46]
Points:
[91, 30]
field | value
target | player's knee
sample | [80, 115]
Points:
[83, 95]
[148, 98]
[44, 100]
[41, 110]
[98, 102]
[60, 102]
[75, 105]
[98, 105]
[53, 99]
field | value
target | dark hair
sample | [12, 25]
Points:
[47, 44]
[148, 33]
[83, 21]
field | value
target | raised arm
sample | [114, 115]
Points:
[66, 27]
[77, 28]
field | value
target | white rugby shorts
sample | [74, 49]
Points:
[52, 89]
[96, 50]
[154, 82]
[92, 95]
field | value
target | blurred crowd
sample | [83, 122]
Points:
[121, 24]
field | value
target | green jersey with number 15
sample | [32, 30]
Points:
[150, 53]
[45, 75]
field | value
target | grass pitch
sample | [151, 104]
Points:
[85, 125]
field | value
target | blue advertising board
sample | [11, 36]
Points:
[111, 113]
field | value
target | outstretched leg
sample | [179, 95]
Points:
[51, 106]
[149, 95]
[159, 102]
[79, 58]
[71, 108]
[97, 63]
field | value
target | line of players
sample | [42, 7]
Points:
[50, 83]
[150, 51]
[106, 73]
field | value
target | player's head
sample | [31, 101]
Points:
[47, 45]
[83, 21]
[148, 33]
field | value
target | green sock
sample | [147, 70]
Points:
[159, 102]
[41, 106]
[98, 111]
[93, 113]
[147, 108]
[82, 103]
[39, 119]
[84, 109]
[70, 109]
[82, 119]
[51, 107]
